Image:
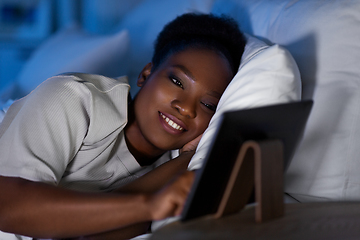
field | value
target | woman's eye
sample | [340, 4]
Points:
[210, 106]
[176, 81]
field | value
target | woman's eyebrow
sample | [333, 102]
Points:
[186, 71]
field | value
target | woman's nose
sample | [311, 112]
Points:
[185, 107]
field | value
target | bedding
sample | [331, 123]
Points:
[323, 37]
[73, 50]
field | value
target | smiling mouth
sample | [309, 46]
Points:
[171, 123]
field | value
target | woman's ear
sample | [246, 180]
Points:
[144, 74]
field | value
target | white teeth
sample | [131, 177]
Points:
[171, 123]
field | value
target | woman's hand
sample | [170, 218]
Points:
[170, 200]
[191, 146]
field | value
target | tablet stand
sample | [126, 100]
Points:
[259, 163]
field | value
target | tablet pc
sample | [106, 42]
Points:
[285, 122]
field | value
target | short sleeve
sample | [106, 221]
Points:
[42, 132]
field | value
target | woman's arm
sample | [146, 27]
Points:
[40, 210]
[45, 211]
[150, 183]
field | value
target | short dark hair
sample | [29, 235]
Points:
[201, 31]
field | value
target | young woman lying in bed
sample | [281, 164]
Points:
[75, 151]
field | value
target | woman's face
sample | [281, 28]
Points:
[177, 100]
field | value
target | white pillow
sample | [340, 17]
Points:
[72, 50]
[267, 75]
[144, 24]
